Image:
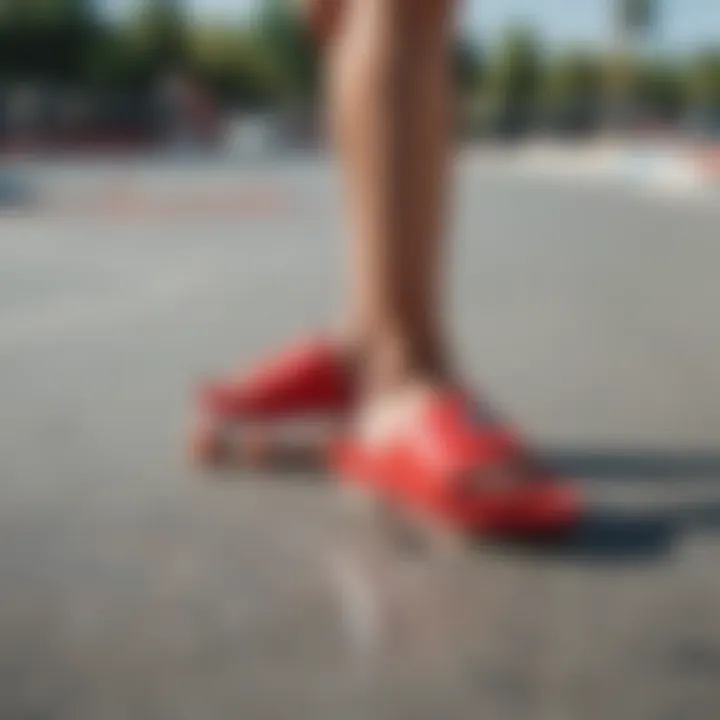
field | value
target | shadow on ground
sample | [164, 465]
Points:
[635, 465]
[634, 532]
[621, 533]
[626, 535]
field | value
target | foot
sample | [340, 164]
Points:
[215, 442]
[311, 378]
[426, 447]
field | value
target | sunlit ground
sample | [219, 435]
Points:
[131, 587]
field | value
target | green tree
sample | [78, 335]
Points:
[469, 66]
[165, 26]
[572, 90]
[291, 48]
[136, 53]
[47, 39]
[573, 80]
[704, 80]
[661, 90]
[238, 64]
[517, 72]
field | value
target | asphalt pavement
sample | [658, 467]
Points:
[133, 587]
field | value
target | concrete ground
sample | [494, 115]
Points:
[132, 588]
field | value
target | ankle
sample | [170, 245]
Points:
[397, 361]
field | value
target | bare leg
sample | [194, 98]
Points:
[391, 109]
[389, 80]
[390, 105]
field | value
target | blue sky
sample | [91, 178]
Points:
[685, 23]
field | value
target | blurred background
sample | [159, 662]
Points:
[169, 210]
[89, 74]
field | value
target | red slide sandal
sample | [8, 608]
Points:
[307, 379]
[443, 467]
